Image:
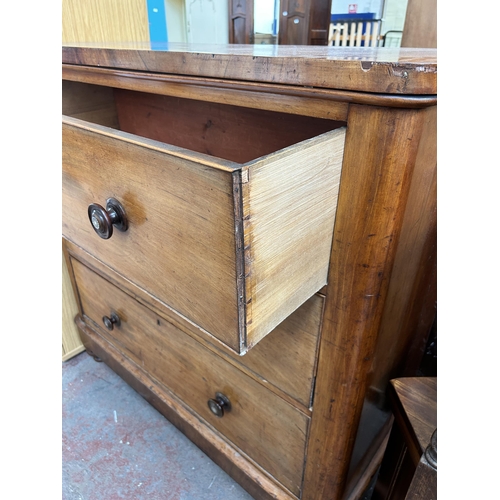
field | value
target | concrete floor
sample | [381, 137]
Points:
[116, 445]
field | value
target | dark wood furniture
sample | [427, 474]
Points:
[409, 468]
[241, 14]
[304, 22]
[301, 22]
[420, 28]
[273, 266]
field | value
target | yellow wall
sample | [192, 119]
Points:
[104, 21]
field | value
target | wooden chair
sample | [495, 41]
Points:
[409, 466]
[355, 33]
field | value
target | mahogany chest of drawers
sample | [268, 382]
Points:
[250, 234]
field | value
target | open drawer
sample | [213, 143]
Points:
[235, 240]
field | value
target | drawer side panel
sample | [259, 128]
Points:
[289, 205]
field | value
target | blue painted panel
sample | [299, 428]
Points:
[157, 19]
[365, 16]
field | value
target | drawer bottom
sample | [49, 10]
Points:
[232, 460]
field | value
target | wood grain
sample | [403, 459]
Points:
[410, 306]
[416, 412]
[414, 404]
[424, 483]
[235, 133]
[287, 356]
[384, 70]
[306, 101]
[262, 425]
[375, 185]
[280, 98]
[104, 21]
[411, 298]
[289, 205]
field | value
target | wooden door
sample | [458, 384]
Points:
[241, 21]
[319, 21]
[304, 22]
[294, 22]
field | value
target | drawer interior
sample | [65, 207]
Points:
[234, 133]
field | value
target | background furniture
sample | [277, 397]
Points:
[97, 21]
[304, 22]
[420, 29]
[251, 182]
[410, 460]
[71, 342]
[241, 28]
[345, 33]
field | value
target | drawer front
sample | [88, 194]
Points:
[286, 357]
[180, 244]
[261, 424]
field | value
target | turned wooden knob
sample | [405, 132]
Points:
[220, 404]
[111, 320]
[103, 219]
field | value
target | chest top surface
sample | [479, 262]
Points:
[398, 71]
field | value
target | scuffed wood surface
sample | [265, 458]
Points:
[384, 70]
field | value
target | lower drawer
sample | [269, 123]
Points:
[261, 424]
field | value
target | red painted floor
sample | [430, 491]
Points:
[117, 446]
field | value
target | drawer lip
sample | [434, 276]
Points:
[161, 147]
